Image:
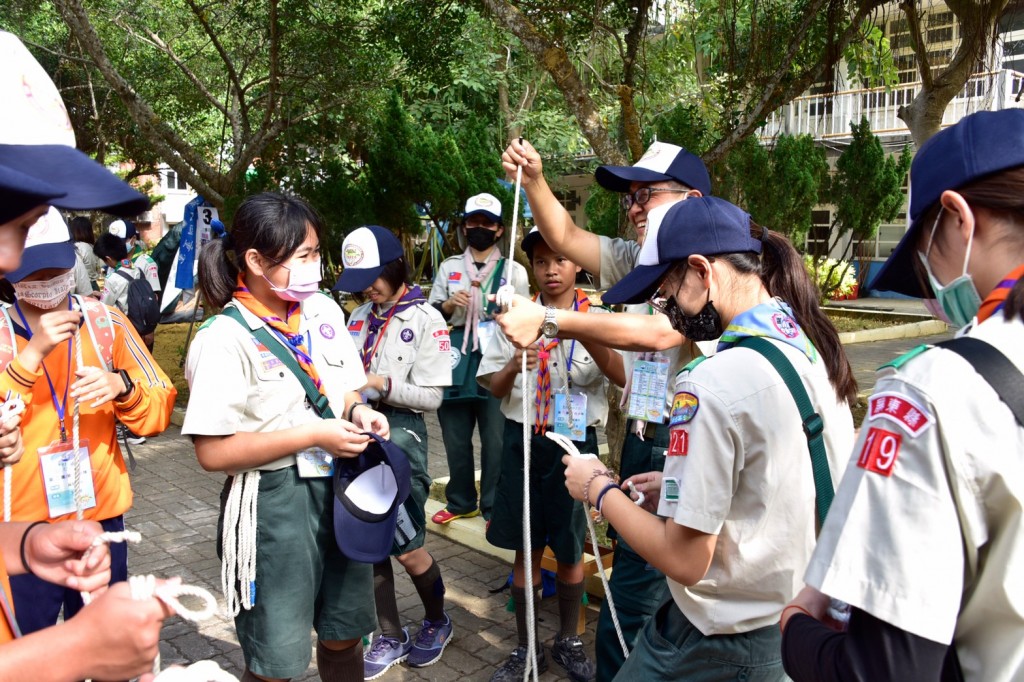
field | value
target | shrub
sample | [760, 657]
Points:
[834, 278]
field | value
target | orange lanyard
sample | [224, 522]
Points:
[368, 358]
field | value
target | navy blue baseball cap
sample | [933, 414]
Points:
[661, 161]
[47, 245]
[978, 145]
[706, 226]
[368, 491]
[20, 193]
[83, 184]
[364, 253]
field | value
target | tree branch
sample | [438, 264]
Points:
[229, 65]
[924, 67]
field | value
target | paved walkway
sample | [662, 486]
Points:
[176, 505]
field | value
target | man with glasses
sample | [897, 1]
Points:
[664, 175]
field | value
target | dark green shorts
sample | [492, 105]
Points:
[556, 520]
[302, 580]
[409, 432]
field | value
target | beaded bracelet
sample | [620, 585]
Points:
[595, 474]
[21, 551]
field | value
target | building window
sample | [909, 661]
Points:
[818, 236]
[173, 181]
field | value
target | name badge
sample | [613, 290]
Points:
[58, 463]
[571, 416]
[314, 463]
[647, 386]
[484, 333]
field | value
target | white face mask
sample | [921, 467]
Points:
[303, 281]
[45, 294]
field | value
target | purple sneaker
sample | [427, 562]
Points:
[384, 653]
[430, 642]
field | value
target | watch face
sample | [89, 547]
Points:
[549, 329]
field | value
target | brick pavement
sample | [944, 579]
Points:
[176, 511]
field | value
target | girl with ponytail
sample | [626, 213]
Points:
[249, 416]
[736, 504]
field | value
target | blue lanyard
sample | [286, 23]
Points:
[294, 346]
[61, 407]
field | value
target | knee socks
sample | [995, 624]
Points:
[431, 590]
[385, 600]
[340, 666]
[570, 596]
[519, 599]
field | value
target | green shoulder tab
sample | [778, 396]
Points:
[906, 357]
[693, 363]
[208, 321]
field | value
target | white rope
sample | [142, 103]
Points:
[12, 407]
[571, 448]
[238, 540]
[75, 435]
[203, 671]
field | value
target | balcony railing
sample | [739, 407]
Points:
[828, 116]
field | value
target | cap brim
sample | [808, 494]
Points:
[354, 280]
[493, 216]
[368, 542]
[898, 273]
[637, 286]
[619, 178]
[60, 256]
[86, 184]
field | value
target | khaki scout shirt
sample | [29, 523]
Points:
[587, 377]
[738, 467]
[892, 543]
[415, 349]
[452, 277]
[238, 385]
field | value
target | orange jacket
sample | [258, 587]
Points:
[6, 631]
[146, 411]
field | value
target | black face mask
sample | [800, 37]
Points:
[480, 238]
[706, 325]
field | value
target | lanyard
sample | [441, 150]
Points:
[572, 347]
[307, 338]
[368, 357]
[61, 407]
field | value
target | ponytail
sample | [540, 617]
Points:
[273, 224]
[785, 276]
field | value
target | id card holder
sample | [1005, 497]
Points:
[572, 426]
[58, 462]
[647, 387]
[485, 333]
[314, 463]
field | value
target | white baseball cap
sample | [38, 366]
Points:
[486, 204]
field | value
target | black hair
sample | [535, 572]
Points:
[783, 273]
[273, 224]
[396, 273]
[110, 246]
[81, 230]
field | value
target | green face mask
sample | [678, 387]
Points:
[959, 299]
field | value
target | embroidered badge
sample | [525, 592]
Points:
[879, 451]
[678, 443]
[786, 325]
[456, 356]
[899, 408]
[454, 276]
[355, 327]
[327, 331]
[406, 335]
[670, 489]
[353, 255]
[444, 342]
[684, 408]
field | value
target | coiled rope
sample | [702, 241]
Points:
[12, 407]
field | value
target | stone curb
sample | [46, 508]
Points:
[900, 331]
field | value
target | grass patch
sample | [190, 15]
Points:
[855, 322]
[169, 353]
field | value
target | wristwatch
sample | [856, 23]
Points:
[549, 327]
[128, 384]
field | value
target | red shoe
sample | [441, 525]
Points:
[444, 516]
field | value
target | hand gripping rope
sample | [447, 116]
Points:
[12, 407]
[144, 587]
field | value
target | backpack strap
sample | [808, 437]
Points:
[317, 399]
[9, 350]
[995, 368]
[100, 328]
[813, 425]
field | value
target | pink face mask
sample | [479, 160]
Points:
[303, 281]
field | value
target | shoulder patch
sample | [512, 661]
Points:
[906, 357]
[879, 452]
[684, 408]
[900, 409]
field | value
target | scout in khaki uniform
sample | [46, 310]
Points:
[569, 399]
[406, 351]
[654, 353]
[924, 537]
[261, 375]
[738, 491]
[460, 291]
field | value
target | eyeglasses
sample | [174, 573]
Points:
[643, 195]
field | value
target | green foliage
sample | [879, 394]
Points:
[867, 188]
[870, 60]
[834, 278]
[604, 215]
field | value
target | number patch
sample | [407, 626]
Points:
[678, 443]
[879, 451]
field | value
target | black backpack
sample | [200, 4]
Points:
[143, 304]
